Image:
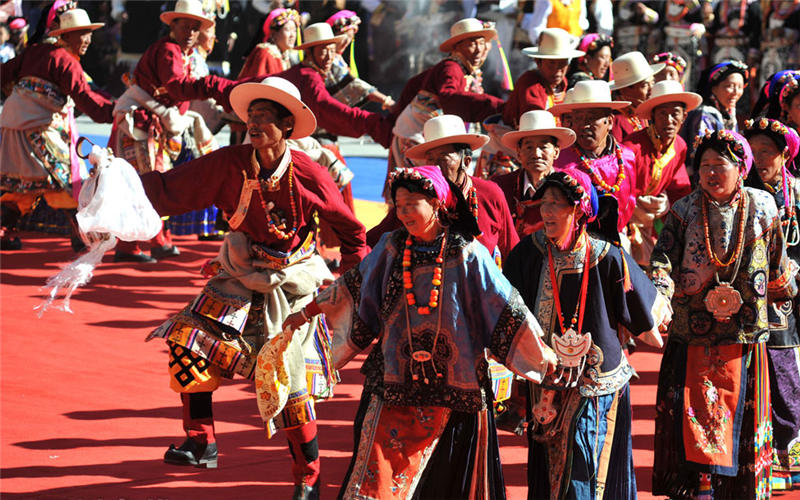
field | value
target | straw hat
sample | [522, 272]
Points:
[632, 68]
[187, 9]
[538, 122]
[74, 20]
[274, 88]
[589, 94]
[554, 43]
[668, 91]
[318, 34]
[466, 28]
[445, 129]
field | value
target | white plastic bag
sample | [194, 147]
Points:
[112, 204]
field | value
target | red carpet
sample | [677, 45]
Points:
[87, 413]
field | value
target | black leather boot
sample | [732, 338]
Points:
[193, 453]
[306, 492]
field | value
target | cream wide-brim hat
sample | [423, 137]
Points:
[589, 94]
[442, 130]
[187, 9]
[632, 68]
[74, 20]
[554, 43]
[466, 28]
[668, 91]
[538, 123]
[318, 34]
[274, 88]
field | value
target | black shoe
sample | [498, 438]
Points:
[140, 257]
[193, 453]
[305, 492]
[10, 243]
[164, 252]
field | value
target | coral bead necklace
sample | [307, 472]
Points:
[436, 281]
[597, 179]
[279, 230]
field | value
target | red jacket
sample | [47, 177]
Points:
[217, 178]
[530, 92]
[60, 67]
[674, 179]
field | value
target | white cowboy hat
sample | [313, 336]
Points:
[554, 43]
[74, 20]
[466, 28]
[668, 91]
[589, 94]
[445, 129]
[318, 34]
[274, 88]
[632, 68]
[538, 122]
[187, 9]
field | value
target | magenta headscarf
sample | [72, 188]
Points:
[431, 179]
[343, 19]
[277, 18]
[59, 7]
[736, 144]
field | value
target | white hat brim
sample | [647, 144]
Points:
[324, 41]
[243, 94]
[690, 99]
[566, 108]
[168, 17]
[474, 141]
[654, 68]
[534, 53]
[564, 136]
[450, 43]
[90, 27]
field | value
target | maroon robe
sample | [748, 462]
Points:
[448, 81]
[526, 217]
[494, 220]
[164, 73]
[674, 179]
[332, 115]
[60, 67]
[530, 92]
[217, 178]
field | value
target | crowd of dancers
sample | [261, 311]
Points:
[529, 243]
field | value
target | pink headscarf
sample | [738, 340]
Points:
[279, 17]
[55, 10]
[18, 23]
[432, 180]
[345, 18]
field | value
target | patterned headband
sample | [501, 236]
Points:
[735, 144]
[344, 20]
[576, 185]
[769, 125]
[430, 178]
[789, 91]
[278, 18]
[723, 69]
[671, 59]
[594, 42]
[774, 86]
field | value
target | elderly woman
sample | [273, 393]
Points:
[721, 259]
[596, 61]
[721, 87]
[276, 51]
[435, 300]
[774, 147]
[583, 290]
[37, 123]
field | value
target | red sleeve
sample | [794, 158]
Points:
[528, 94]
[617, 128]
[508, 237]
[175, 77]
[449, 83]
[332, 209]
[70, 78]
[680, 185]
[388, 224]
[193, 185]
[260, 62]
[9, 73]
[640, 165]
[338, 118]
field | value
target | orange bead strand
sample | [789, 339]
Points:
[436, 280]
